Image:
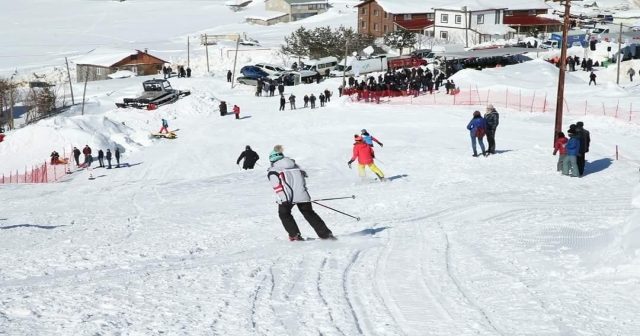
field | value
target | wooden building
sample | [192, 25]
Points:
[377, 18]
[99, 63]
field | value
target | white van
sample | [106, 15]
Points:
[360, 66]
[323, 66]
[608, 29]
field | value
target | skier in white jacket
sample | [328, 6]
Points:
[288, 181]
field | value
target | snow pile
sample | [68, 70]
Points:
[514, 76]
[122, 74]
[61, 134]
[631, 232]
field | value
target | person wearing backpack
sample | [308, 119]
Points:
[477, 127]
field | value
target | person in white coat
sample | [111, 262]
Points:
[288, 181]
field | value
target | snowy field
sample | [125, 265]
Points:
[181, 242]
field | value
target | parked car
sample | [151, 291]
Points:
[253, 71]
[248, 80]
[249, 42]
[604, 18]
[270, 68]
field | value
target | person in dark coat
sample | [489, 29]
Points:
[223, 109]
[322, 99]
[592, 78]
[188, 72]
[281, 88]
[76, 156]
[229, 74]
[585, 141]
[101, 158]
[492, 118]
[117, 158]
[306, 101]
[282, 102]
[292, 101]
[312, 99]
[87, 155]
[327, 95]
[250, 158]
[109, 158]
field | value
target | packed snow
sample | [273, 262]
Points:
[181, 241]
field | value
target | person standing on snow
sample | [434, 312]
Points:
[101, 158]
[76, 156]
[236, 111]
[365, 155]
[492, 119]
[250, 158]
[592, 78]
[322, 99]
[312, 99]
[165, 126]
[327, 95]
[369, 139]
[292, 101]
[109, 158]
[117, 158]
[570, 160]
[229, 74]
[477, 127]
[223, 109]
[561, 141]
[584, 137]
[288, 181]
[631, 73]
[306, 101]
[87, 155]
[283, 102]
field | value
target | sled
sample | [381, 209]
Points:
[169, 135]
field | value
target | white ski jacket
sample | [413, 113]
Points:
[288, 181]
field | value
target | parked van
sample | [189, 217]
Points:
[271, 69]
[356, 67]
[323, 66]
[608, 29]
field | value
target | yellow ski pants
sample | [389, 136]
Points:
[373, 168]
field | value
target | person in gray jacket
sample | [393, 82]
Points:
[288, 181]
[492, 119]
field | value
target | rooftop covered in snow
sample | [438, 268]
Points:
[107, 56]
[424, 6]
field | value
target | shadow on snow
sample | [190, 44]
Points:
[45, 227]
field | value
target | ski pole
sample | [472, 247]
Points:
[334, 198]
[379, 160]
[340, 212]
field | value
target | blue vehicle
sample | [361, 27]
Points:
[253, 71]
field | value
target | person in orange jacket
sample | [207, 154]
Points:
[236, 111]
[365, 155]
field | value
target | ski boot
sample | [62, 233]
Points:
[475, 154]
[329, 237]
[296, 238]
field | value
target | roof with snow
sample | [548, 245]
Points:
[107, 57]
[266, 16]
[494, 29]
[427, 6]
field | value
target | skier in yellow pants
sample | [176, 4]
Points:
[364, 153]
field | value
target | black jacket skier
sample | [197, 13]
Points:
[117, 157]
[76, 155]
[282, 102]
[109, 158]
[101, 158]
[250, 157]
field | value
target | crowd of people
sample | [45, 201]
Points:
[88, 157]
[167, 72]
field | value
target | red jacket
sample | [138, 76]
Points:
[236, 110]
[559, 146]
[86, 151]
[363, 152]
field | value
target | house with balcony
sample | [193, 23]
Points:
[295, 9]
[378, 17]
[469, 25]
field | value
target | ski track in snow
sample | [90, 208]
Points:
[183, 243]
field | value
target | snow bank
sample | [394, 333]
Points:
[514, 76]
[631, 232]
[61, 134]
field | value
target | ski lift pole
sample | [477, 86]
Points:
[340, 212]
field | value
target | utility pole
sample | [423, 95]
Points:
[188, 51]
[619, 61]
[235, 59]
[563, 66]
[11, 102]
[70, 85]
[84, 92]
[344, 70]
[206, 49]
[466, 29]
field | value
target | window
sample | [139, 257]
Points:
[375, 12]
[458, 19]
[364, 11]
[363, 25]
[444, 18]
[407, 16]
[444, 35]
[480, 18]
[316, 6]
[431, 16]
[386, 28]
[386, 15]
[375, 27]
[99, 71]
[429, 33]
[532, 12]
[497, 16]
[134, 57]
[508, 13]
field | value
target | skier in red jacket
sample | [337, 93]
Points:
[236, 111]
[561, 141]
[365, 155]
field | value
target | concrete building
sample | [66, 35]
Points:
[297, 9]
[101, 62]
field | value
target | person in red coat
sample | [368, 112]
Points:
[561, 141]
[365, 155]
[236, 111]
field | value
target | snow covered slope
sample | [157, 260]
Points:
[182, 242]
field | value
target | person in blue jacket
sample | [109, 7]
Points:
[369, 139]
[477, 127]
[571, 159]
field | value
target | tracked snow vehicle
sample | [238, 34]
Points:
[157, 92]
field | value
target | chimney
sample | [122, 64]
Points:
[146, 51]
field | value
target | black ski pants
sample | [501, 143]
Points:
[101, 162]
[289, 223]
[491, 138]
[581, 161]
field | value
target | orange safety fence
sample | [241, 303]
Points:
[528, 101]
[47, 172]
